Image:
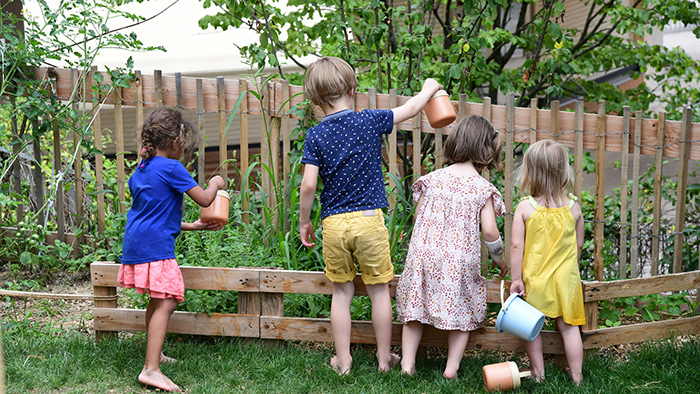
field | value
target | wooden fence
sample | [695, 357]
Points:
[628, 134]
[261, 309]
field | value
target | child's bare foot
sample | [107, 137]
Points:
[576, 377]
[449, 374]
[393, 360]
[409, 370]
[339, 367]
[165, 359]
[156, 379]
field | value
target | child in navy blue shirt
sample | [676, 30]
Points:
[153, 222]
[345, 151]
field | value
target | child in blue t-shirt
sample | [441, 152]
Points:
[345, 151]
[153, 222]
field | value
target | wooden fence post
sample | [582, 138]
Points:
[99, 157]
[78, 161]
[243, 109]
[680, 191]
[599, 214]
[623, 190]
[658, 175]
[508, 173]
[634, 245]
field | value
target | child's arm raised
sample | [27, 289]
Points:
[416, 103]
[307, 192]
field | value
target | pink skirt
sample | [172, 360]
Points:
[161, 279]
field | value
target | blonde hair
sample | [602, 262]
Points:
[475, 140]
[328, 79]
[546, 172]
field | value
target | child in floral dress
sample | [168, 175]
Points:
[442, 283]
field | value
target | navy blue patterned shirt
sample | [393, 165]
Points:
[347, 147]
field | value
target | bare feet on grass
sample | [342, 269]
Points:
[342, 368]
[148, 377]
[393, 360]
[166, 360]
[409, 370]
[576, 377]
[449, 374]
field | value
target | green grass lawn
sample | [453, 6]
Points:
[41, 362]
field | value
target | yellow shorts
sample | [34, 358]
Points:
[357, 238]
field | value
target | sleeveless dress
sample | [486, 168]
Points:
[550, 264]
[441, 284]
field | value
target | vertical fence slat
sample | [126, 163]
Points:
[16, 168]
[286, 130]
[555, 120]
[178, 90]
[634, 242]
[624, 170]
[158, 88]
[393, 164]
[202, 147]
[77, 151]
[243, 126]
[221, 111]
[599, 215]
[533, 120]
[578, 149]
[274, 146]
[658, 175]
[57, 168]
[119, 129]
[38, 176]
[508, 172]
[99, 158]
[486, 113]
[416, 141]
[680, 193]
[139, 103]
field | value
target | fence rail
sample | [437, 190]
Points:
[261, 310]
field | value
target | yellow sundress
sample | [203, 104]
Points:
[550, 264]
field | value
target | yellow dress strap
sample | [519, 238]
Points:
[532, 201]
[573, 200]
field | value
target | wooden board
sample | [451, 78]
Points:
[640, 332]
[205, 278]
[596, 291]
[319, 330]
[220, 324]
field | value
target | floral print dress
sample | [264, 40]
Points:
[442, 283]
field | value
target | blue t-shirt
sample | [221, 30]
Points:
[347, 148]
[153, 222]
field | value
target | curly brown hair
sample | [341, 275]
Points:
[164, 127]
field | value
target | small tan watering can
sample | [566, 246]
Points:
[218, 210]
[503, 376]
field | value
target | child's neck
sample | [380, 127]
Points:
[463, 168]
[341, 104]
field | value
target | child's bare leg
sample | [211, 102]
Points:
[456, 343]
[410, 340]
[534, 352]
[149, 312]
[573, 347]
[341, 325]
[382, 318]
[157, 322]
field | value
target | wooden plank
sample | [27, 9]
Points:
[416, 141]
[221, 111]
[119, 129]
[555, 119]
[599, 214]
[274, 152]
[272, 304]
[243, 127]
[533, 120]
[248, 303]
[202, 143]
[77, 81]
[218, 324]
[681, 192]
[624, 174]
[508, 173]
[658, 175]
[99, 157]
[486, 174]
[286, 130]
[158, 88]
[204, 278]
[104, 291]
[634, 244]
[38, 176]
[391, 151]
[178, 90]
[578, 149]
[640, 332]
[439, 156]
[139, 103]
[596, 291]
[319, 330]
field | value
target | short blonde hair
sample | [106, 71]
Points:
[475, 140]
[328, 79]
[546, 172]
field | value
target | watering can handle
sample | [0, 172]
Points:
[503, 287]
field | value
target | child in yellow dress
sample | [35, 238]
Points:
[547, 238]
